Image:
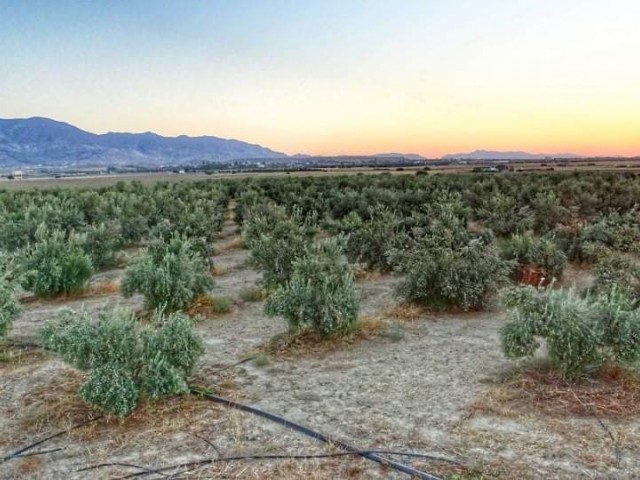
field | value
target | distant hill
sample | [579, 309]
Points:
[44, 142]
[408, 156]
[497, 155]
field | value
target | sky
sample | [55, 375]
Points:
[332, 77]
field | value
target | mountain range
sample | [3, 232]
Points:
[44, 142]
[498, 155]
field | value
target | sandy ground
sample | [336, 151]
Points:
[418, 393]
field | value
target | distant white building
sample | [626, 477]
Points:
[17, 174]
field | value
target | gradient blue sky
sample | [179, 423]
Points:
[334, 76]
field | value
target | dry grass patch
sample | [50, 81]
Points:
[612, 393]
[362, 274]
[219, 270]
[313, 469]
[308, 342]
[234, 243]
[406, 311]
[252, 294]
[371, 325]
[28, 467]
[450, 471]
[111, 287]
[16, 356]
[106, 288]
[210, 306]
[57, 405]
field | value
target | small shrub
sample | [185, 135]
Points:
[56, 264]
[125, 361]
[262, 360]
[321, 292]
[9, 305]
[394, 332]
[579, 332]
[169, 275]
[221, 304]
[251, 294]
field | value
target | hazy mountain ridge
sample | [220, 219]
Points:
[506, 155]
[42, 141]
[408, 156]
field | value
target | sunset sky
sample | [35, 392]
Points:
[334, 76]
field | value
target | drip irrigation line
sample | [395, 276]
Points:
[227, 367]
[616, 445]
[144, 470]
[18, 453]
[375, 457]
[39, 452]
[210, 443]
[208, 461]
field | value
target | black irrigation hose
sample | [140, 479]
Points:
[145, 470]
[207, 461]
[18, 453]
[317, 435]
[39, 452]
[227, 367]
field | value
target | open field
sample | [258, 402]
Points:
[413, 378]
[96, 181]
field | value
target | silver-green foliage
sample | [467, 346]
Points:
[169, 274]
[102, 243]
[504, 215]
[125, 360]
[619, 270]
[9, 306]
[275, 241]
[579, 331]
[56, 264]
[371, 238]
[321, 292]
[444, 266]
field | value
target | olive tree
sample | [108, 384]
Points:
[320, 293]
[9, 306]
[578, 331]
[444, 266]
[168, 274]
[125, 361]
[56, 264]
[370, 239]
[275, 242]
